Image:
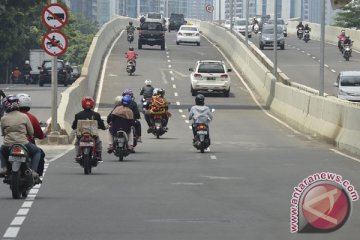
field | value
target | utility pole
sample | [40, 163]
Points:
[219, 12]
[54, 122]
[275, 39]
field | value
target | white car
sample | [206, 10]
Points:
[348, 85]
[210, 76]
[188, 34]
[240, 26]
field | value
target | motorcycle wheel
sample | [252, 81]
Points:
[121, 155]
[24, 194]
[86, 164]
[15, 185]
[202, 150]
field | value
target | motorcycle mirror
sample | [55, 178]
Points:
[43, 124]
[213, 110]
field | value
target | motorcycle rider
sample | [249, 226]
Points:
[130, 28]
[299, 26]
[88, 114]
[133, 106]
[131, 55]
[307, 27]
[348, 41]
[341, 38]
[15, 75]
[24, 107]
[27, 69]
[15, 127]
[254, 22]
[158, 104]
[199, 113]
[146, 92]
[121, 117]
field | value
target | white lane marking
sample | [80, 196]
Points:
[333, 70]
[221, 178]
[345, 155]
[23, 211]
[17, 221]
[11, 232]
[313, 57]
[309, 54]
[167, 56]
[180, 110]
[174, 86]
[298, 49]
[177, 103]
[171, 72]
[27, 204]
[303, 51]
[169, 66]
[187, 121]
[187, 183]
[213, 157]
[167, 52]
[326, 65]
[172, 78]
[34, 191]
[190, 127]
[184, 116]
[176, 94]
[169, 60]
[62, 154]
[30, 197]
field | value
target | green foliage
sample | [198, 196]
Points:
[22, 30]
[349, 17]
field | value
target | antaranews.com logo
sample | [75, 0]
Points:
[321, 203]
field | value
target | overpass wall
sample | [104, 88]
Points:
[87, 84]
[327, 117]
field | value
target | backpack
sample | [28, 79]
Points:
[158, 105]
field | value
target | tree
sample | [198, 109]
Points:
[349, 17]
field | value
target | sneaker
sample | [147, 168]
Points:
[77, 159]
[3, 172]
[110, 149]
[139, 139]
[99, 160]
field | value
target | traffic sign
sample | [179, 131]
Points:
[55, 43]
[209, 8]
[55, 15]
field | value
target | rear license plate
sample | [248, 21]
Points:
[189, 34]
[202, 132]
[86, 144]
[17, 159]
[211, 78]
[151, 39]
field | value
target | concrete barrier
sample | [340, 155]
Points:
[327, 117]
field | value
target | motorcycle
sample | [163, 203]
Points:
[20, 176]
[300, 32]
[306, 35]
[256, 28]
[130, 37]
[158, 128]
[131, 67]
[88, 152]
[347, 52]
[120, 143]
[27, 78]
[202, 139]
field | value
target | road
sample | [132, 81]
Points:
[300, 61]
[241, 189]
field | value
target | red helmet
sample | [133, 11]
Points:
[87, 102]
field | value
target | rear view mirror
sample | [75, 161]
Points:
[229, 70]
[43, 124]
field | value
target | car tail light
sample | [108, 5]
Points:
[197, 75]
[179, 33]
[224, 77]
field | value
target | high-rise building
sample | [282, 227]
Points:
[197, 9]
[239, 8]
[89, 8]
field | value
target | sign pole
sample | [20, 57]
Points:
[54, 122]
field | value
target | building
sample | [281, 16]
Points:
[239, 8]
[87, 7]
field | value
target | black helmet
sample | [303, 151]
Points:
[131, 49]
[306, 25]
[130, 23]
[200, 99]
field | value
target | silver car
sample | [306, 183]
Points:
[267, 37]
[348, 85]
[280, 23]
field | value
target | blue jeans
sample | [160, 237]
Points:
[35, 155]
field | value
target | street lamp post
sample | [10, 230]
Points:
[275, 39]
[322, 48]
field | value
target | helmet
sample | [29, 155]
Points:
[27, 62]
[131, 49]
[130, 23]
[161, 92]
[118, 100]
[342, 32]
[347, 37]
[87, 102]
[11, 103]
[300, 22]
[200, 99]
[128, 92]
[126, 100]
[147, 82]
[24, 100]
[306, 25]
[155, 91]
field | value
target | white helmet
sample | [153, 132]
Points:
[27, 62]
[155, 91]
[147, 82]
[118, 100]
[24, 100]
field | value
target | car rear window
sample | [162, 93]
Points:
[151, 26]
[49, 65]
[211, 68]
[350, 81]
[189, 29]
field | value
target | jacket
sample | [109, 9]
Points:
[147, 91]
[200, 114]
[38, 133]
[121, 117]
[15, 127]
[88, 114]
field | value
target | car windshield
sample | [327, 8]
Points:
[211, 68]
[49, 65]
[350, 81]
[189, 29]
